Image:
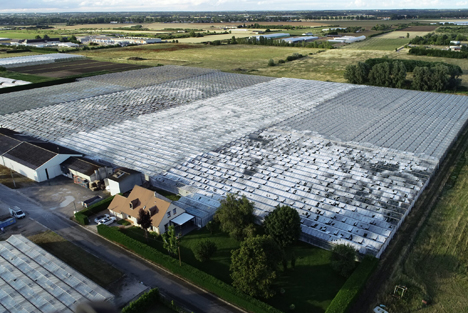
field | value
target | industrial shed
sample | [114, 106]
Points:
[32, 280]
[32, 158]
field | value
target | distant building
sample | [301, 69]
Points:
[333, 28]
[307, 34]
[299, 39]
[347, 39]
[455, 42]
[271, 36]
[123, 41]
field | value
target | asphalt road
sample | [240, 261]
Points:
[182, 293]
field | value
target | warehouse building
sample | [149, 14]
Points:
[299, 39]
[271, 36]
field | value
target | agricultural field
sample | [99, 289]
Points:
[436, 268]
[73, 68]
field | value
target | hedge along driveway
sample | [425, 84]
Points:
[208, 282]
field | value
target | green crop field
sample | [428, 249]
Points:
[436, 269]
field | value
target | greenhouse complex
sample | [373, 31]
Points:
[352, 160]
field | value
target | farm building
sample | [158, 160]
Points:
[33, 280]
[271, 36]
[347, 39]
[35, 159]
[163, 211]
[123, 180]
[85, 172]
[299, 39]
[351, 159]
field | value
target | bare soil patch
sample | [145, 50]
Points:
[80, 67]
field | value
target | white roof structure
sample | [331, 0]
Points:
[271, 36]
[8, 82]
[299, 39]
[37, 59]
[32, 280]
[352, 160]
[182, 219]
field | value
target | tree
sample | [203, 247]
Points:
[357, 74]
[38, 37]
[283, 225]
[407, 35]
[422, 78]
[380, 75]
[205, 250]
[343, 259]
[254, 265]
[46, 37]
[233, 40]
[234, 215]
[171, 241]
[144, 219]
[398, 74]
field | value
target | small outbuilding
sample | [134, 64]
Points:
[123, 180]
[85, 172]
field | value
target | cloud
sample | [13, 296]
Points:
[217, 5]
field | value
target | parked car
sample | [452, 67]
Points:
[100, 217]
[16, 212]
[107, 220]
[91, 201]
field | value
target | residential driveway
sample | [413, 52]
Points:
[60, 195]
[183, 293]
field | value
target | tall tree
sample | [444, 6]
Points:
[398, 74]
[234, 215]
[254, 265]
[283, 225]
[422, 78]
[144, 219]
[343, 259]
[171, 241]
[380, 75]
[205, 250]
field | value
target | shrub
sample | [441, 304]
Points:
[281, 61]
[93, 209]
[190, 273]
[353, 286]
[343, 259]
[124, 222]
[271, 62]
[81, 218]
[143, 303]
[205, 250]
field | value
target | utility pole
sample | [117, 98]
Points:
[11, 172]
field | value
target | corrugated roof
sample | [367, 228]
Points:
[82, 166]
[29, 155]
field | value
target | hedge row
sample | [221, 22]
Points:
[410, 65]
[353, 286]
[82, 216]
[146, 301]
[439, 53]
[200, 278]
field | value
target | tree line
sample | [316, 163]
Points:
[435, 39]
[463, 54]
[431, 77]
[264, 41]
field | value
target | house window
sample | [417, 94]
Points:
[174, 212]
[168, 213]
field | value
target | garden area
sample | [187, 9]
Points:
[306, 281]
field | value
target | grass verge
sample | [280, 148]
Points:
[102, 273]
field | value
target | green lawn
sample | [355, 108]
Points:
[25, 77]
[436, 269]
[101, 272]
[310, 286]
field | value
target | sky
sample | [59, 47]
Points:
[32, 6]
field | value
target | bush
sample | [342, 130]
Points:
[143, 303]
[343, 259]
[2, 69]
[124, 222]
[271, 62]
[353, 286]
[190, 273]
[81, 218]
[205, 250]
[93, 209]
[281, 61]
